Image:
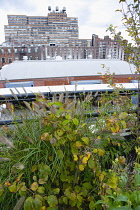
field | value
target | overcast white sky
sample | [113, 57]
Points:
[94, 16]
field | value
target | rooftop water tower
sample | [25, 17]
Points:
[57, 8]
[49, 8]
[64, 9]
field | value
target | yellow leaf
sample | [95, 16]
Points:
[117, 127]
[101, 152]
[84, 160]
[34, 168]
[113, 129]
[101, 177]
[75, 157]
[89, 155]
[113, 182]
[7, 183]
[78, 144]
[34, 186]
[18, 179]
[95, 150]
[121, 159]
[137, 150]
[45, 136]
[81, 167]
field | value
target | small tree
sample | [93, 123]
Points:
[131, 20]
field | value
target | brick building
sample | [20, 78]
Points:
[6, 55]
[107, 48]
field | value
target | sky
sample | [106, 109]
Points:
[94, 16]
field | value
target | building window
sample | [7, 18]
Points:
[9, 51]
[15, 50]
[9, 60]
[30, 58]
[22, 50]
[1, 51]
[29, 50]
[3, 60]
[36, 49]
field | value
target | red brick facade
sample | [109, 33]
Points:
[67, 80]
[6, 56]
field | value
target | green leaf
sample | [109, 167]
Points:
[34, 168]
[87, 185]
[123, 115]
[13, 188]
[37, 203]
[56, 191]
[91, 163]
[92, 204]
[23, 188]
[58, 103]
[65, 200]
[137, 208]
[52, 200]
[60, 154]
[59, 132]
[65, 122]
[121, 198]
[137, 179]
[75, 121]
[68, 116]
[72, 196]
[41, 190]
[123, 208]
[85, 140]
[28, 204]
[79, 198]
[123, 124]
[42, 181]
[22, 193]
[1, 189]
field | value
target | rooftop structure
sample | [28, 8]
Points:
[59, 72]
[64, 68]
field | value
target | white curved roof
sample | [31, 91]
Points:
[64, 68]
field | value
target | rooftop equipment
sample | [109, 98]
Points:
[49, 8]
[64, 9]
[57, 8]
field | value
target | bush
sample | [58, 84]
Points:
[61, 160]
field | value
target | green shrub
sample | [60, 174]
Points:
[56, 161]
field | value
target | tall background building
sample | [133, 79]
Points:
[55, 29]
